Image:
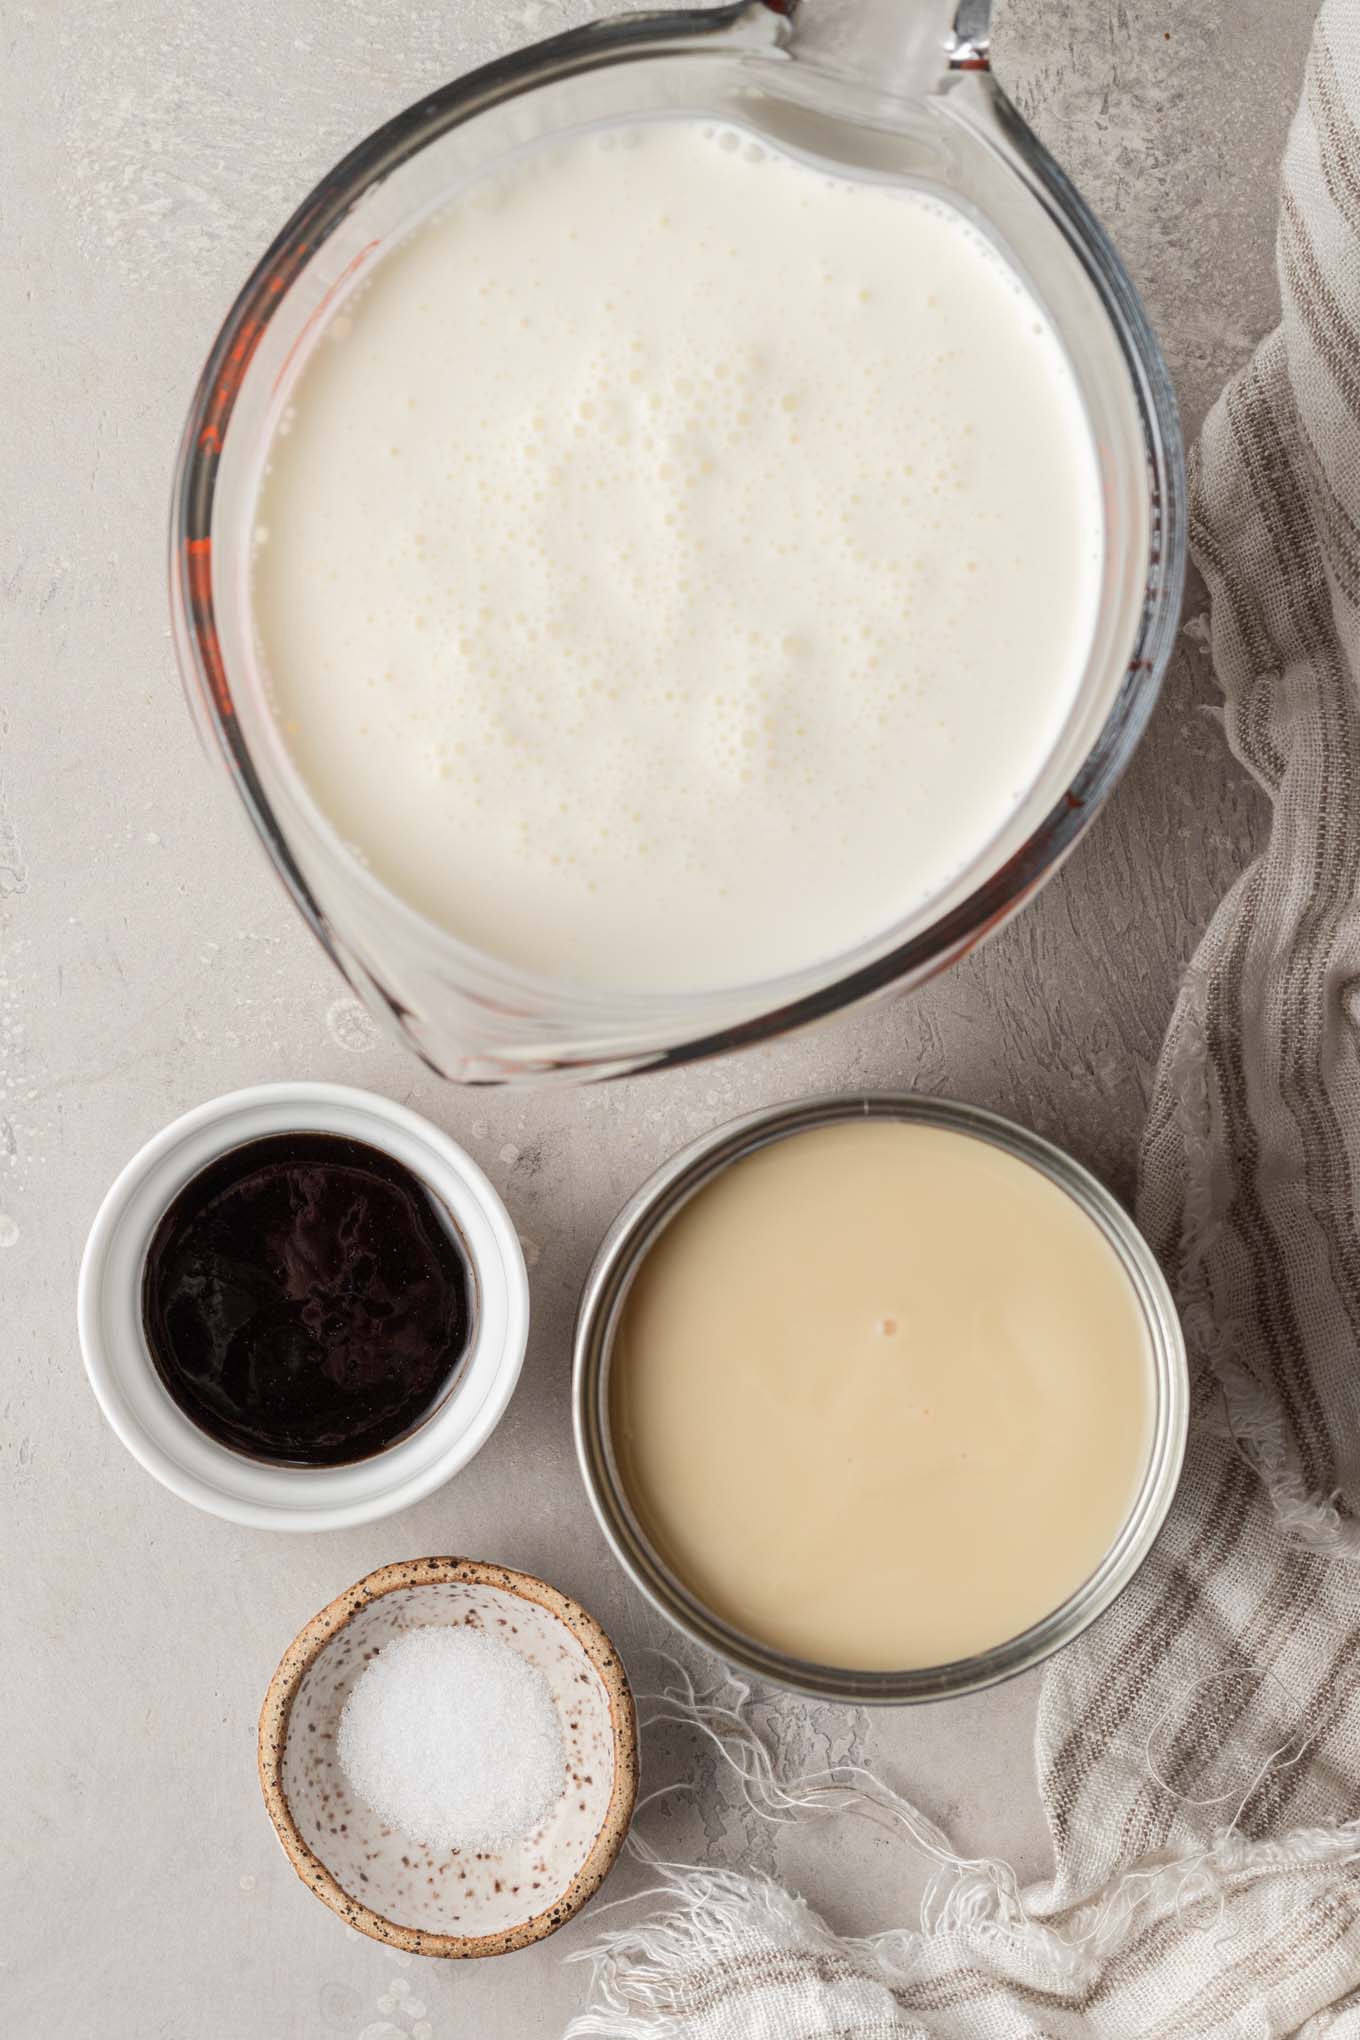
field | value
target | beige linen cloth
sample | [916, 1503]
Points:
[1199, 1750]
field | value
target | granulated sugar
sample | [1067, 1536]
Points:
[452, 1737]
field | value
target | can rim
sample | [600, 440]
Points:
[620, 1255]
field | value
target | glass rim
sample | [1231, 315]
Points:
[622, 1253]
[763, 1006]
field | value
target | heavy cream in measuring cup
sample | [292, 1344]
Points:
[676, 563]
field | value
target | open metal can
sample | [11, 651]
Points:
[625, 1248]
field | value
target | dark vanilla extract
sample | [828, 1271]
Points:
[307, 1300]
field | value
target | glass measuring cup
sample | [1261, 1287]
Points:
[893, 89]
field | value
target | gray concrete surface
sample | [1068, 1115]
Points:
[147, 960]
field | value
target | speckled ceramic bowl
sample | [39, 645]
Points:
[427, 1901]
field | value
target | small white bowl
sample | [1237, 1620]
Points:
[153, 1427]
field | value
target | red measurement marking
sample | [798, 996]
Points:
[228, 384]
[198, 574]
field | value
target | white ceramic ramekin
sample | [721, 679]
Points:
[157, 1432]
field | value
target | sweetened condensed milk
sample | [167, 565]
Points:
[881, 1395]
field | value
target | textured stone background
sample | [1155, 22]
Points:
[147, 960]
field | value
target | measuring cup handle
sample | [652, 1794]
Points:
[902, 46]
